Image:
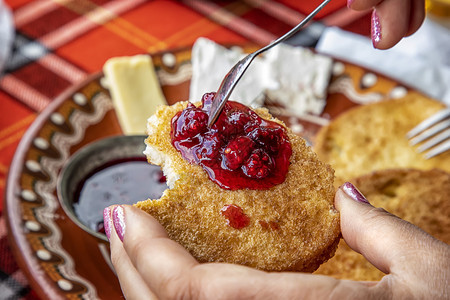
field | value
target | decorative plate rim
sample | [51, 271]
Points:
[18, 241]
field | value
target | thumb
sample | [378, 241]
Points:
[388, 242]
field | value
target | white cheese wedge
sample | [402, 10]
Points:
[295, 77]
[134, 89]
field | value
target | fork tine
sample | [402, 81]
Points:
[445, 146]
[435, 140]
[437, 117]
[430, 132]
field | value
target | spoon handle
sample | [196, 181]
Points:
[234, 75]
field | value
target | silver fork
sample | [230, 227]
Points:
[235, 74]
[434, 132]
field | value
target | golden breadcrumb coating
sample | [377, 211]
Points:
[420, 197]
[302, 208]
[372, 137]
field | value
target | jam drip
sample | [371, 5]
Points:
[269, 225]
[235, 216]
[241, 150]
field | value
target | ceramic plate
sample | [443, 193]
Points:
[60, 259]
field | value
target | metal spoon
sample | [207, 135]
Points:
[235, 74]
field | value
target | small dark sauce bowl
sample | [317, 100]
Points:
[86, 162]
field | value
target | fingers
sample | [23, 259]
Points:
[160, 261]
[388, 242]
[391, 19]
[148, 263]
[390, 22]
[227, 281]
[172, 273]
[362, 5]
[131, 282]
[417, 16]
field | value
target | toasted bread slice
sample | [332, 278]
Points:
[293, 225]
[420, 197]
[372, 137]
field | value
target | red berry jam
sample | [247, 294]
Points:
[269, 225]
[240, 150]
[235, 216]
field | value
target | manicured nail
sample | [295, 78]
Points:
[349, 3]
[107, 221]
[376, 28]
[119, 221]
[354, 193]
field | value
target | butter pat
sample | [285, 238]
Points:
[134, 89]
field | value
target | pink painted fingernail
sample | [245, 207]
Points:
[376, 28]
[354, 193]
[107, 221]
[119, 221]
[349, 3]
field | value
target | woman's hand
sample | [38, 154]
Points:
[150, 265]
[391, 19]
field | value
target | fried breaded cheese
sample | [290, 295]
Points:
[373, 137]
[293, 225]
[417, 196]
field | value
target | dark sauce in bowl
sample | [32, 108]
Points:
[124, 181]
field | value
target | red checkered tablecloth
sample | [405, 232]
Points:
[58, 43]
